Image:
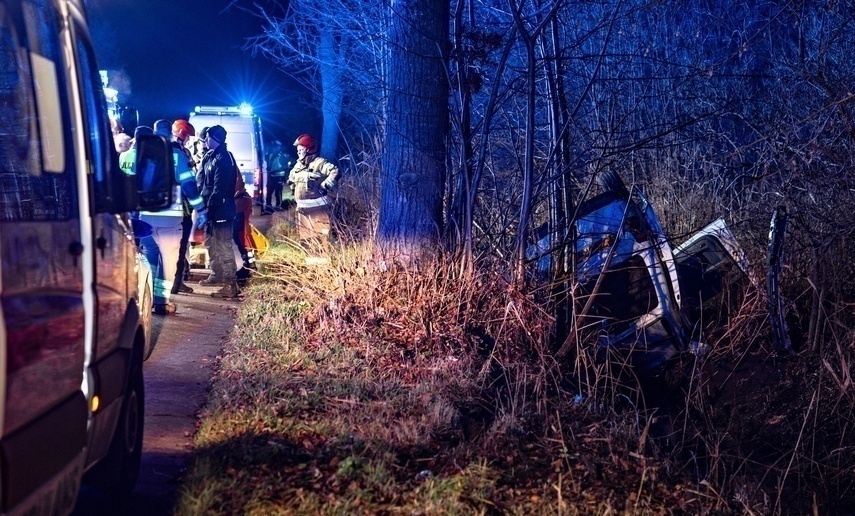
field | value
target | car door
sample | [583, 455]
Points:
[112, 234]
[712, 269]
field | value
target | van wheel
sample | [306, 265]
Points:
[610, 181]
[127, 442]
[119, 469]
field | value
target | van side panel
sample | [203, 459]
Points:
[37, 452]
[43, 408]
[70, 328]
[110, 376]
[44, 350]
[42, 302]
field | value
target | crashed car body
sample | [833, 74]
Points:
[639, 295]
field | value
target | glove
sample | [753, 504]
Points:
[201, 219]
[327, 185]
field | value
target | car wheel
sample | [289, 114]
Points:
[610, 181]
[127, 442]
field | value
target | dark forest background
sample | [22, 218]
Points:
[469, 130]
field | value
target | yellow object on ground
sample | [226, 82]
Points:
[260, 243]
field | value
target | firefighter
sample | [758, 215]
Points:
[311, 178]
[277, 166]
[182, 130]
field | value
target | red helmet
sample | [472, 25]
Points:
[182, 129]
[308, 142]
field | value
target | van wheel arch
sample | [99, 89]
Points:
[118, 471]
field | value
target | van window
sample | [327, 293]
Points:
[35, 183]
[42, 29]
[101, 152]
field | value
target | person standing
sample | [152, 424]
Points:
[190, 198]
[200, 153]
[162, 128]
[127, 159]
[218, 176]
[123, 142]
[277, 167]
[311, 178]
[199, 148]
[240, 228]
[243, 210]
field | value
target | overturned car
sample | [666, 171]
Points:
[641, 297]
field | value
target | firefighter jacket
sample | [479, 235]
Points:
[311, 179]
[185, 177]
[218, 184]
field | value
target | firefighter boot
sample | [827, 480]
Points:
[229, 290]
[181, 288]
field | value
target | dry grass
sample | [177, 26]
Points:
[349, 387]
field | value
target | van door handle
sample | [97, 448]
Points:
[76, 249]
[101, 243]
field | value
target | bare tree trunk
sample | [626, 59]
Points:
[529, 39]
[489, 112]
[333, 94]
[528, 167]
[560, 194]
[464, 175]
[410, 221]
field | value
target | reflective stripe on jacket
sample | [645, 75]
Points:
[185, 177]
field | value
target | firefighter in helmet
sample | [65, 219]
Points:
[311, 179]
[185, 175]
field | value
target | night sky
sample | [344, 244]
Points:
[178, 54]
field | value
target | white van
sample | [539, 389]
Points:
[75, 305]
[244, 140]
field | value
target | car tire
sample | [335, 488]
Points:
[610, 181]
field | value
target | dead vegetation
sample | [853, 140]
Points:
[351, 387]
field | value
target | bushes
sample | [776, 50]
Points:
[358, 386]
